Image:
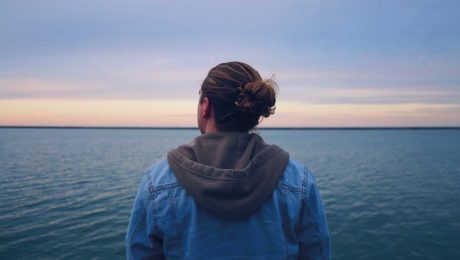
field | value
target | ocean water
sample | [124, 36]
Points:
[388, 194]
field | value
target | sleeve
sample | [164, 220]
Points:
[314, 232]
[140, 241]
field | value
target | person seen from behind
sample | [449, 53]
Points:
[228, 194]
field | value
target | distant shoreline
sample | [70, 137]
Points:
[261, 128]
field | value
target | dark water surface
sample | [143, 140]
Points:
[388, 194]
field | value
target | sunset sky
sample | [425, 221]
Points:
[141, 63]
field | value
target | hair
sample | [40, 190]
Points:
[239, 97]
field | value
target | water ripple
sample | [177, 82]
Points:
[68, 193]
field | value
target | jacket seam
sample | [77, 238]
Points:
[154, 206]
[284, 221]
[289, 187]
[303, 200]
[304, 184]
[166, 187]
[176, 222]
[318, 232]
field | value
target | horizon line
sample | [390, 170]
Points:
[260, 128]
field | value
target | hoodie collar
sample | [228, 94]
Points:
[229, 173]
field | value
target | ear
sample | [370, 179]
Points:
[206, 108]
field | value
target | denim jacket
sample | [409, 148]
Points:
[166, 222]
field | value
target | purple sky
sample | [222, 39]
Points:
[122, 63]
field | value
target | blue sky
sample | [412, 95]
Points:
[338, 63]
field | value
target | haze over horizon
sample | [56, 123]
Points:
[141, 63]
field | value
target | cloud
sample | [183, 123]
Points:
[75, 112]
[325, 55]
[372, 115]
[378, 95]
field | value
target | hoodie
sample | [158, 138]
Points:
[231, 174]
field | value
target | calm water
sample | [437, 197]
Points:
[67, 193]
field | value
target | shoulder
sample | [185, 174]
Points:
[160, 176]
[298, 176]
[294, 174]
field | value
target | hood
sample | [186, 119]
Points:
[231, 174]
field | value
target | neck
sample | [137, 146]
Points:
[210, 128]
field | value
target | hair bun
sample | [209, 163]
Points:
[257, 98]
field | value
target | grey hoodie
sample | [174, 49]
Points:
[231, 174]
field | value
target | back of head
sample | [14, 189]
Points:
[239, 96]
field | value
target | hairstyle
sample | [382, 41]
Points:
[238, 96]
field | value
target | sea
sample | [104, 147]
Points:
[387, 193]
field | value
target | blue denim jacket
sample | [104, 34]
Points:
[167, 223]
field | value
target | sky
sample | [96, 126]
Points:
[141, 63]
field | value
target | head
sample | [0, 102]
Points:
[233, 97]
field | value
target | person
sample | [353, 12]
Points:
[228, 194]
